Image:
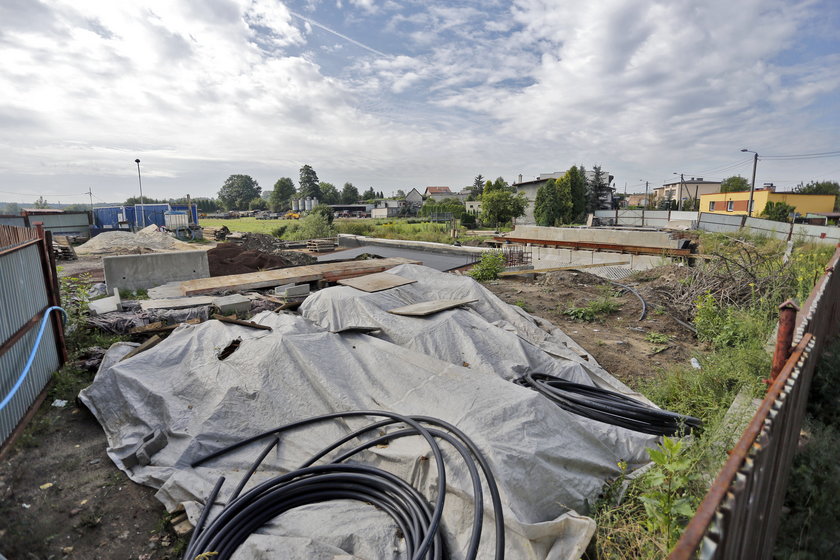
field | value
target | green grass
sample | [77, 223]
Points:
[250, 225]
[593, 310]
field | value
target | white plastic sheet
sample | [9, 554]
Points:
[549, 464]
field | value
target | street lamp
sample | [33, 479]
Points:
[752, 186]
[679, 195]
[142, 213]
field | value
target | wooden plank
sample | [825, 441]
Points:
[151, 343]
[425, 308]
[297, 275]
[235, 321]
[558, 268]
[376, 282]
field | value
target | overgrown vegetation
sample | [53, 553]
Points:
[595, 309]
[810, 524]
[489, 267]
[733, 302]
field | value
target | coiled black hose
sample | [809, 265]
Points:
[418, 522]
[609, 407]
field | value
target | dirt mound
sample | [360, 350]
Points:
[125, 242]
[230, 258]
[263, 243]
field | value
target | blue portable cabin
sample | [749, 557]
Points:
[107, 218]
[127, 217]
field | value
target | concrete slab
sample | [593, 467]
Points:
[140, 272]
[105, 305]
[168, 290]
[656, 239]
[295, 291]
[177, 303]
[234, 303]
[281, 290]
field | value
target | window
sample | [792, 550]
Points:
[712, 206]
[729, 205]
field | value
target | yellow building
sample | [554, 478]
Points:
[737, 202]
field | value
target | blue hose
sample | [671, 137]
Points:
[31, 359]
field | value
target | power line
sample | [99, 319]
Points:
[804, 156]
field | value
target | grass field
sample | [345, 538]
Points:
[386, 228]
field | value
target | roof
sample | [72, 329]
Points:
[43, 211]
[691, 182]
[438, 190]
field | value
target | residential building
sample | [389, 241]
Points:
[737, 202]
[414, 198]
[438, 193]
[682, 191]
[473, 207]
[385, 212]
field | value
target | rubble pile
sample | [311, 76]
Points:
[230, 258]
[270, 244]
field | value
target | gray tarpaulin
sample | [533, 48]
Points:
[549, 464]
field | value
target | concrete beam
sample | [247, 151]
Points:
[140, 272]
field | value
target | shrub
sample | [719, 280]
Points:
[489, 267]
[601, 306]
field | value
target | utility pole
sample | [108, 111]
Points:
[90, 194]
[142, 213]
[752, 185]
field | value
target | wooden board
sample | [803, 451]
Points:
[331, 272]
[425, 308]
[376, 282]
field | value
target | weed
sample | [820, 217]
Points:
[489, 267]
[595, 308]
[523, 304]
[657, 338]
[134, 294]
[666, 499]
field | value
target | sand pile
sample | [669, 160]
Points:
[124, 242]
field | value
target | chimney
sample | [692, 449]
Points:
[520, 177]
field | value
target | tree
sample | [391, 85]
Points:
[369, 194]
[598, 191]
[284, 190]
[77, 208]
[577, 186]
[547, 204]
[478, 186]
[329, 194]
[734, 184]
[498, 185]
[822, 187]
[564, 197]
[500, 206]
[325, 211]
[238, 191]
[349, 194]
[400, 194]
[41, 203]
[132, 200]
[777, 211]
[11, 208]
[446, 206]
[308, 187]
[258, 203]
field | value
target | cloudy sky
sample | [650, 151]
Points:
[400, 94]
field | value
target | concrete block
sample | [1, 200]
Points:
[302, 290]
[281, 290]
[232, 304]
[105, 305]
[140, 272]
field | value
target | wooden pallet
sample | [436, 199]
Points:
[321, 245]
[63, 249]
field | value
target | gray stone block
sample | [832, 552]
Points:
[105, 305]
[302, 290]
[232, 304]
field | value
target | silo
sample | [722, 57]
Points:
[295, 205]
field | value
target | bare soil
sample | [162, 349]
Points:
[620, 342]
[62, 497]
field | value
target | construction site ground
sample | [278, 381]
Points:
[62, 497]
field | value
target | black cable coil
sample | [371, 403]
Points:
[418, 521]
[609, 407]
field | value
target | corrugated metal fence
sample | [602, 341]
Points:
[28, 286]
[739, 517]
